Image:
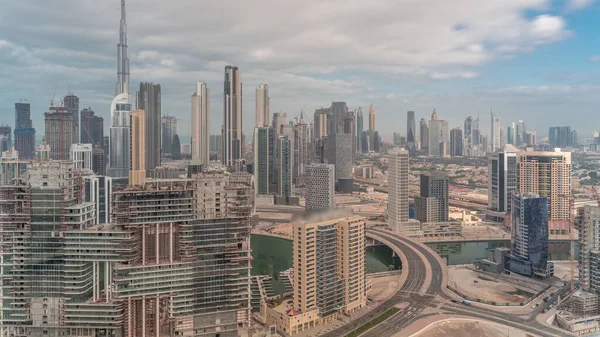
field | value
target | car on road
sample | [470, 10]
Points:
[536, 305]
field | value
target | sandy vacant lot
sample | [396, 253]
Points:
[476, 285]
[460, 328]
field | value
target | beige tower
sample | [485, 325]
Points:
[137, 166]
[372, 118]
[263, 106]
[333, 280]
[201, 124]
[548, 174]
[398, 164]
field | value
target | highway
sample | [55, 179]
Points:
[399, 321]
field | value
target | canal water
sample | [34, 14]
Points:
[272, 255]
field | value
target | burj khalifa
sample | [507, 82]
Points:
[120, 109]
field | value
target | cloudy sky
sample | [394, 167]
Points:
[537, 60]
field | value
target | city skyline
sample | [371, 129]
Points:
[409, 83]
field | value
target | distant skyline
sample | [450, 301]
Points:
[418, 56]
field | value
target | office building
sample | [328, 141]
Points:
[559, 136]
[574, 140]
[424, 134]
[43, 152]
[91, 129]
[411, 133]
[81, 156]
[321, 122]
[432, 185]
[529, 236]
[59, 132]
[232, 116]
[510, 134]
[263, 106]
[329, 264]
[71, 103]
[456, 142]
[98, 191]
[285, 166]
[320, 186]
[469, 129]
[530, 138]
[98, 161]
[201, 124]
[168, 127]
[24, 131]
[10, 167]
[398, 168]
[5, 138]
[366, 142]
[520, 132]
[371, 124]
[138, 135]
[376, 142]
[587, 223]
[302, 146]
[120, 108]
[502, 178]
[548, 174]
[438, 133]
[359, 130]
[339, 144]
[495, 136]
[262, 159]
[149, 99]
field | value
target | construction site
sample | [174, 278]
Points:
[173, 261]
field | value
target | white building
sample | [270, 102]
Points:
[81, 155]
[398, 163]
[263, 106]
[495, 132]
[320, 186]
[201, 124]
[9, 167]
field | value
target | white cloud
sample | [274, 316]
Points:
[594, 58]
[578, 4]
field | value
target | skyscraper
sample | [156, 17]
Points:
[138, 135]
[329, 264]
[434, 191]
[456, 142]
[359, 130]
[5, 138]
[232, 116]
[559, 136]
[71, 103]
[411, 133]
[148, 99]
[340, 145]
[397, 210]
[99, 161]
[91, 128]
[168, 128]
[520, 132]
[424, 134]
[302, 146]
[201, 124]
[438, 133]
[529, 236]
[120, 109]
[262, 160]
[10, 169]
[81, 155]
[510, 134]
[495, 132]
[98, 191]
[468, 129]
[59, 132]
[588, 225]
[371, 124]
[285, 166]
[321, 121]
[263, 106]
[24, 131]
[320, 186]
[502, 178]
[548, 174]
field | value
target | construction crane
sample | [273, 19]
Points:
[299, 117]
[53, 96]
[596, 194]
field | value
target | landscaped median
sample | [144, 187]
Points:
[375, 321]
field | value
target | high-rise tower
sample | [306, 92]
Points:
[371, 125]
[495, 132]
[137, 166]
[122, 85]
[263, 106]
[411, 133]
[232, 116]
[201, 124]
[120, 109]
[59, 132]
[24, 131]
[148, 99]
[71, 102]
[359, 130]
[398, 166]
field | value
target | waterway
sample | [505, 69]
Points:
[272, 255]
